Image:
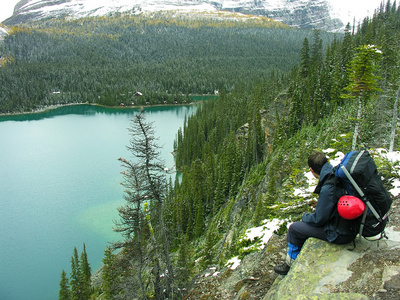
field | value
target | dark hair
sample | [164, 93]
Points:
[316, 160]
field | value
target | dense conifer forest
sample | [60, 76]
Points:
[314, 106]
[113, 60]
[241, 155]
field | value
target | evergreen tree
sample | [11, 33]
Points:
[208, 249]
[108, 275]
[86, 273]
[64, 293]
[132, 224]
[150, 169]
[394, 121]
[76, 277]
[316, 51]
[305, 63]
[347, 50]
[209, 170]
[363, 81]
[197, 176]
[256, 137]
[219, 193]
[183, 259]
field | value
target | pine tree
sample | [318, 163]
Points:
[316, 51]
[363, 81]
[305, 63]
[209, 170]
[150, 169]
[394, 121]
[86, 273]
[108, 275]
[197, 177]
[347, 50]
[76, 278]
[256, 136]
[208, 249]
[219, 193]
[183, 259]
[132, 222]
[390, 64]
[64, 293]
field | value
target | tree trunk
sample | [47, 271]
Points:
[394, 121]
[140, 254]
[170, 274]
[353, 146]
[158, 292]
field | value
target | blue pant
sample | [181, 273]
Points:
[299, 232]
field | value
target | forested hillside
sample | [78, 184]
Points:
[282, 93]
[107, 60]
[314, 106]
[242, 156]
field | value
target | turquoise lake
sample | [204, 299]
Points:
[60, 188]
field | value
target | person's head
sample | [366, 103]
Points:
[316, 160]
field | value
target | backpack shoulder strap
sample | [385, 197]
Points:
[330, 179]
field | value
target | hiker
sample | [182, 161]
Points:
[323, 223]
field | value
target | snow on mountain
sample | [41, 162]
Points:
[287, 11]
[299, 13]
[348, 11]
[84, 8]
[3, 32]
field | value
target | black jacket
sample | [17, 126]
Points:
[325, 213]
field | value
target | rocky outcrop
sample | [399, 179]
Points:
[322, 271]
[298, 13]
[328, 271]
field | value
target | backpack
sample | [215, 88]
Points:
[358, 173]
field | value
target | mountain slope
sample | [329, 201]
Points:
[298, 13]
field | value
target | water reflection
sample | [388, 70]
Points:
[86, 109]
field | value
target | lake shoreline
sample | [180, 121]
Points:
[72, 199]
[53, 107]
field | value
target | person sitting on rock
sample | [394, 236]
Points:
[324, 223]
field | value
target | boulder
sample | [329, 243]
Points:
[329, 271]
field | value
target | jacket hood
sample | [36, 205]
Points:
[326, 170]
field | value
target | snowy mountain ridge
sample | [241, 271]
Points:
[3, 32]
[298, 13]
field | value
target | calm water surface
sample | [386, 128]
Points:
[60, 188]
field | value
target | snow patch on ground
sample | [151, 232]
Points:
[392, 234]
[265, 232]
[233, 263]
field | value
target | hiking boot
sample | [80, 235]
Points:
[282, 269]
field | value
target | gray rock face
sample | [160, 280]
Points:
[322, 271]
[328, 271]
[298, 13]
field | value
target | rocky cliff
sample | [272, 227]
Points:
[298, 13]
[3, 32]
[322, 271]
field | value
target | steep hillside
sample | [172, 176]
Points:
[322, 271]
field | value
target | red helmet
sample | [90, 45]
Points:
[350, 207]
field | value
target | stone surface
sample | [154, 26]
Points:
[322, 271]
[334, 271]
[314, 14]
